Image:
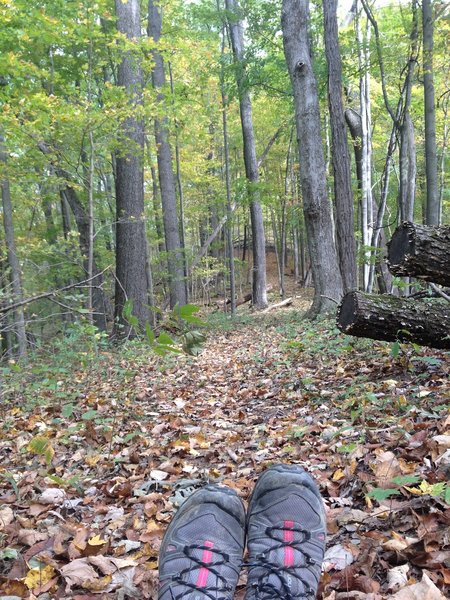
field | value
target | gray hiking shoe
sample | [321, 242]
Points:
[201, 552]
[286, 531]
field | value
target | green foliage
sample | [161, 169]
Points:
[436, 490]
[59, 63]
[187, 340]
[42, 446]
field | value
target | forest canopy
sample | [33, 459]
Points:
[127, 183]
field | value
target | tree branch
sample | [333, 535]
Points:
[270, 143]
[440, 292]
[4, 309]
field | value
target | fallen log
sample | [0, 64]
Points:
[286, 302]
[420, 251]
[386, 317]
[242, 300]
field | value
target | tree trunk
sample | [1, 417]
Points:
[341, 160]
[316, 206]
[156, 202]
[13, 260]
[385, 317]
[421, 251]
[90, 258]
[131, 245]
[6, 341]
[180, 188]
[229, 232]
[65, 215]
[250, 160]
[276, 246]
[283, 248]
[353, 119]
[366, 199]
[432, 205]
[407, 160]
[166, 177]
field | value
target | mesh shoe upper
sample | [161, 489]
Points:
[201, 553]
[286, 535]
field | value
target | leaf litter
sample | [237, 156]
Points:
[93, 468]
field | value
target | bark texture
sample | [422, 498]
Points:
[250, 160]
[432, 206]
[343, 193]
[229, 230]
[408, 169]
[316, 206]
[421, 251]
[385, 317]
[131, 246]
[15, 274]
[174, 249]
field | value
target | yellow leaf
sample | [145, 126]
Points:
[414, 491]
[92, 460]
[338, 475]
[96, 541]
[37, 577]
[97, 585]
[402, 401]
[151, 565]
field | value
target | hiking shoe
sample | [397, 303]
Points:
[286, 531]
[201, 552]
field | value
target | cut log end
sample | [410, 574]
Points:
[421, 251]
[347, 311]
[401, 245]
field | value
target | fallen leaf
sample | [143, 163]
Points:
[39, 577]
[6, 517]
[29, 537]
[52, 496]
[78, 572]
[398, 577]
[424, 590]
[385, 468]
[337, 558]
[158, 475]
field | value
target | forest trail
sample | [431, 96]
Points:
[104, 473]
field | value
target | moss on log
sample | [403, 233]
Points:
[386, 317]
[421, 251]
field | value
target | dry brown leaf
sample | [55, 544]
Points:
[424, 590]
[29, 537]
[398, 577]
[397, 543]
[53, 496]
[6, 517]
[385, 468]
[78, 572]
[109, 565]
